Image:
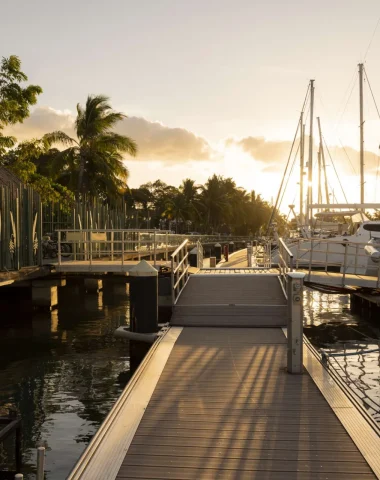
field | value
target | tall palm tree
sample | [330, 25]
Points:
[93, 163]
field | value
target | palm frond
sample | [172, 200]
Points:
[50, 139]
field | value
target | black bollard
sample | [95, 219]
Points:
[193, 257]
[144, 298]
[231, 247]
[218, 252]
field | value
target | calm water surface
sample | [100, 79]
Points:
[330, 324]
[64, 370]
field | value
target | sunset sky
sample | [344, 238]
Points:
[209, 86]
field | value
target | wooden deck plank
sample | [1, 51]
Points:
[231, 452]
[232, 412]
[244, 464]
[175, 473]
[232, 289]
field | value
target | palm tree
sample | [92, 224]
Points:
[93, 163]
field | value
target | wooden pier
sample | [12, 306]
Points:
[211, 401]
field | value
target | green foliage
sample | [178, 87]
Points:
[24, 161]
[93, 164]
[15, 99]
[219, 206]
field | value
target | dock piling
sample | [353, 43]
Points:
[218, 252]
[40, 463]
[144, 298]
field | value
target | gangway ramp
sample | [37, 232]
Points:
[231, 300]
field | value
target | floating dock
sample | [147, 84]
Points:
[213, 398]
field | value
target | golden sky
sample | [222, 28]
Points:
[209, 87]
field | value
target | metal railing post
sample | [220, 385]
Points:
[112, 245]
[344, 264]
[172, 280]
[122, 249]
[90, 247]
[154, 249]
[249, 255]
[167, 247]
[311, 257]
[295, 321]
[59, 248]
[356, 258]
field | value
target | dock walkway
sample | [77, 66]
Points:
[225, 408]
[214, 402]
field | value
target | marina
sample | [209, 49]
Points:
[212, 327]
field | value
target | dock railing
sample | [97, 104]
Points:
[93, 245]
[179, 270]
[285, 264]
[114, 244]
[324, 254]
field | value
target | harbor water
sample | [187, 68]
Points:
[64, 370]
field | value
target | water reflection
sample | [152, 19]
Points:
[330, 324]
[64, 371]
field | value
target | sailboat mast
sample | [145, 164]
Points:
[310, 161]
[319, 176]
[302, 162]
[361, 134]
[323, 160]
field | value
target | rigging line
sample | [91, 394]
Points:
[290, 210]
[370, 88]
[290, 174]
[349, 159]
[306, 97]
[283, 177]
[348, 99]
[287, 163]
[370, 42]
[333, 164]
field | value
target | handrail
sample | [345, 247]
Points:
[285, 247]
[181, 262]
[179, 248]
[285, 264]
[179, 270]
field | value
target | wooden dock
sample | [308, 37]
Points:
[211, 401]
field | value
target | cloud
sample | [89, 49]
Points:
[160, 142]
[274, 154]
[43, 120]
[155, 141]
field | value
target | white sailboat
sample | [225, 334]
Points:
[354, 251]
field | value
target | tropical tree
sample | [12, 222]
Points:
[28, 161]
[15, 99]
[93, 162]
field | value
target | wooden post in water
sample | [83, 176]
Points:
[295, 321]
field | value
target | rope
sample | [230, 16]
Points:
[336, 173]
[373, 96]
[373, 36]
